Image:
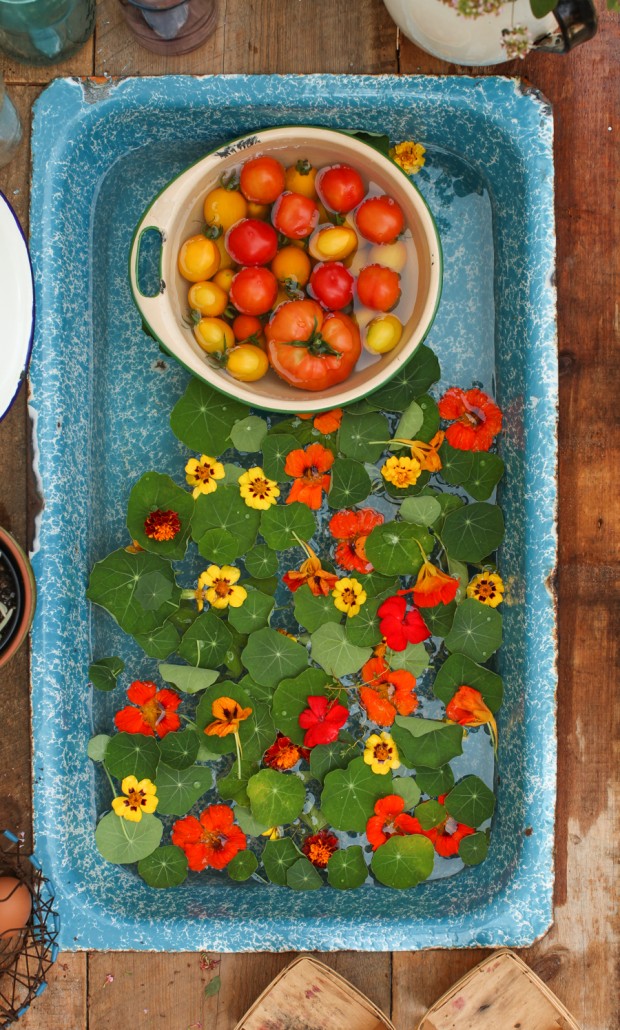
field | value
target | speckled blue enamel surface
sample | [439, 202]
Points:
[101, 395]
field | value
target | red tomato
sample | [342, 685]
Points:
[378, 287]
[252, 242]
[331, 345]
[253, 291]
[340, 188]
[380, 219]
[248, 327]
[262, 180]
[295, 216]
[332, 285]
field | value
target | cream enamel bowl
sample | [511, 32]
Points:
[176, 213]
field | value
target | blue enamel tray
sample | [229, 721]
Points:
[101, 396]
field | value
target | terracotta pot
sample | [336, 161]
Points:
[18, 596]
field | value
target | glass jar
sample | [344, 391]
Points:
[171, 26]
[45, 31]
[10, 126]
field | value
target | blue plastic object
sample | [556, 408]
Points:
[102, 393]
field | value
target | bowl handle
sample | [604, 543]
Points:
[157, 219]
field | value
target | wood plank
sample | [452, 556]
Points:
[40, 74]
[63, 1004]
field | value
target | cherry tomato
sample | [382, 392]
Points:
[262, 180]
[332, 285]
[331, 345]
[247, 363]
[214, 335]
[378, 287]
[224, 207]
[383, 333]
[248, 328]
[340, 188]
[294, 215]
[252, 242]
[380, 219]
[225, 259]
[291, 265]
[207, 298]
[199, 259]
[333, 243]
[254, 290]
[224, 278]
[300, 178]
[392, 255]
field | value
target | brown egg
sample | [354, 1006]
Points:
[15, 906]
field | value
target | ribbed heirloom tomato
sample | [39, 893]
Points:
[380, 219]
[295, 216]
[253, 291]
[340, 188]
[332, 285]
[262, 180]
[311, 350]
[378, 287]
[252, 242]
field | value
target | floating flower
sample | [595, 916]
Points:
[468, 708]
[219, 586]
[162, 525]
[203, 474]
[258, 491]
[352, 528]
[488, 588]
[322, 720]
[272, 833]
[381, 753]
[399, 626]
[320, 847]
[309, 468]
[476, 419]
[349, 596]
[134, 547]
[448, 835]
[227, 715]
[320, 581]
[390, 819]
[212, 840]
[409, 156]
[401, 472]
[326, 421]
[284, 754]
[386, 692]
[155, 711]
[434, 587]
[139, 799]
[428, 453]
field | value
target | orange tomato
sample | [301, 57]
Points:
[258, 210]
[262, 180]
[224, 207]
[224, 278]
[214, 335]
[291, 263]
[300, 177]
[247, 363]
[249, 329]
[208, 298]
[199, 259]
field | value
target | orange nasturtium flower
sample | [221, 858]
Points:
[151, 712]
[309, 468]
[326, 421]
[162, 525]
[257, 490]
[386, 692]
[227, 716]
[401, 472]
[476, 419]
[409, 155]
[320, 581]
[203, 474]
[434, 587]
[139, 799]
[352, 528]
[467, 708]
[389, 819]
[212, 841]
[427, 454]
[488, 588]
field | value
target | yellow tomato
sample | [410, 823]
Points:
[224, 278]
[214, 335]
[247, 363]
[324, 218]
[299, 178]
[225, 259]
[199, 259]
[291, 263]
[390, 255]
[208, 298]
[334, 243]
[224, 207]
[256, 210]
[383, 333]
[359, 259]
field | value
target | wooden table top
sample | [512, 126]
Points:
[578, 957]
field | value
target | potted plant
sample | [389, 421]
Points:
[17, 596]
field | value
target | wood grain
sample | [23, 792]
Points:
[63, 1003]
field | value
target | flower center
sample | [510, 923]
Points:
[486, 590]
[319, 854]
[450, 826]
[162, 525]
[260, 488]
[213, 839]
[135, 799]
[152, 713]
[287, 757]
[204, 472]
[383, 752]
[221, 587]
[348, 596]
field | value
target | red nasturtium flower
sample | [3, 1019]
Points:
[320, 847]
[212, 840]
[467, 708]
[476, 419]
[400, 627]
[390, 819]
[326, 421]
[352, 528]
[320, 581]
[309, 468]
[155, 712]
[322, 720]
[162, 525]
[434, 587]
[448, 835]
[284, 754]
[386, 692]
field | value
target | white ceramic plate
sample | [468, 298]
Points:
[16, 306]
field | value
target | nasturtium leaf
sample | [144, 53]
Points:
[302, 876]
[439, 618]
[314, 819]
[430, 413]
[232, 474]
[413, 379]
[213, 987]
[349, 795]
[242, 865]
[248, 434]
[470, 801]
[257, 691]
[204, 716]
[157, 492]
[335, 653]
[487, 470]
[261, 562]
[132, 754]
[541, 8]
[456, 465]
[458, 570]
[284, 525]
[426, 742]
[247, 822]
[225, 509]
[206, 641]
[291, 699]
[363, 629]
[278, 857]
[266, 586]
[347, 869]
[205, 754]
[276, 798]
[234, 787]
[473, 532]
[476, 630]
[325, 757]
[138, 590]
[363, 437]
[122, 842]
[430, 814]
[159, 642]
[254, 612]
[458, 671]
[178, 790]
[409, 424]
[394, 548]
[303, 432]
[262, 731]
[179, 750]
[312, 611]
[350, 483]
[374, 584]
[474, 849]
[401, 493]
[406, 788]
[97, 747]
[269, 657]
[403, 862]
[435, 781]
[104, 672]
[414, 659]
[422, 511]
[218, 546]
[188, 678]
[203, 418]
[276, 447]
[165, 867]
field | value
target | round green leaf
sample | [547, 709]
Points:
[234, 787]
[347, 869]
[206, 642]
[248, 434]
[426, 742]
[458, 671]
[267, 586]
[423, 511]
[276, 798]
[350, 483]
[160, 642]
[104, 672]
[470, 801]
[349, 795]
[218, 546]
[179, 750]
[138, 590]
[410, 423]
[204, 716]
[203, 418]
[224, 509]
[325, 757]
[291, 699]
[261, 562]
[403, 862]
[284, 525]
[248, 823]
[166, 867]
[393, 548]
[242, 865]
[473, 532]
[430, 814]
[430, 423]
[439, 618]
[269, 657]
[375, 584]
[363, 629]
[474, 849]
[363, 437]
[435, 781]
[406, 788]
[262, 732]
[187, 678]
[178, 790]
[312, 611]
[476, 630]
[414, 378]
[132, 754]
[278, 857]
[97, 747]
[254, 612]
[334, 652]
[276, 447]
[155, 491]
[302, 876]
[413, 659]
[121, 841]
